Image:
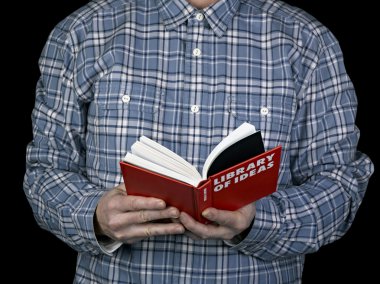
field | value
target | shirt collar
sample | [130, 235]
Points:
[219, 16]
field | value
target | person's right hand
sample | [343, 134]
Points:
[129, 218]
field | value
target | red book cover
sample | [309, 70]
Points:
[229, 189]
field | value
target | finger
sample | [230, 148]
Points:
[210, 231]
[135, 203]
[221, 217]
[133, 240]
[144, 231]
[236, 220]
[200, 230]
[144, 216]
[192, 236]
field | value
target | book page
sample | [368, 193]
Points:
[170, 154]
[153, 155]
[243, 131]
[148, 165]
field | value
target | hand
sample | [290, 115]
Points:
[226, 224]
[129, 218]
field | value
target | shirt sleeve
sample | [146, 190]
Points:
[56, 185]
[329, 175]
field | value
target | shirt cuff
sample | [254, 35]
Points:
[83, 220]
[108, 245]
[266, 228]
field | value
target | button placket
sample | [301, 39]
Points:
[195, 52]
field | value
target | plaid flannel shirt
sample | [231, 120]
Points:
[118, 69]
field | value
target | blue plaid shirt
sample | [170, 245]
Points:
[118, 69]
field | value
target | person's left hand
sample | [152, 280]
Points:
[225, 224]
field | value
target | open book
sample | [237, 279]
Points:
[238, 171]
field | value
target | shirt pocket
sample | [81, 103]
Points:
[271, 113]
[245, 106]
[131, 98]
[124, 110]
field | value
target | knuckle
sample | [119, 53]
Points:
[114, 224]
[205, 235]
[134, 203]
[111, 205]
[148, 232]
[144, 216]
[224, 222]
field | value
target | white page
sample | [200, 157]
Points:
[239, 133]
[150, 154]
[140, 162]
[168, 152]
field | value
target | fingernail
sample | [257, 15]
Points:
[174, 213]
[180, 230]
[206, 213]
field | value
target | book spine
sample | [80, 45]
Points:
[203, 200]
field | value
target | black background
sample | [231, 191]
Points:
[40, 257]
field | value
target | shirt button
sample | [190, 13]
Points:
[264, 111]
[126, 98]
[194, 108]
[199, 16]
[196, 52]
